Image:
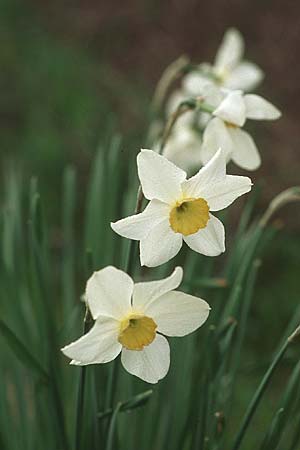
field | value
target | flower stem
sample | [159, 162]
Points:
[261, 389]
[81, 387]
[112, 426]
[129, 266]
[183, 107]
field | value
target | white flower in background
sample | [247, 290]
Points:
[184, 145]
[189, 118]
[224, 129]
[131, 319]
[180, 209]
[229, 70]
[184, 148]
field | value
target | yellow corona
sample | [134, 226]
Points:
[189, 215]
[137, 331]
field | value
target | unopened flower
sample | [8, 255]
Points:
[180, 209]
[131, 319]
[229, 70]
[224, 130]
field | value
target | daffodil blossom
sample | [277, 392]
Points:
[224, 130]
[229, 69]
[180, 209]
[132, 319]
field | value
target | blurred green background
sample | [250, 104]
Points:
[74, 73]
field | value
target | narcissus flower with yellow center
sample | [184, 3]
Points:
[132, 319]
[180, 208]
[224, 130]
[229, 70]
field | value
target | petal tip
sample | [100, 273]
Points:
[179, 270]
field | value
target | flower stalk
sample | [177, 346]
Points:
[87, 322]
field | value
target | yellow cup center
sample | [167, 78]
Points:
[189, 215]
[137, 331]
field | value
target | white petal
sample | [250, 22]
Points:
[215, 136]
[150, 364]
[213, 172]
[209, 241]
[160, 245]
[258, 108]
[245, 153]
[232, 109]
[246, 76]
[195, 84]
[214, 95]
[108, 293]
[138, 226]
[178, 314]
[160, 179]
[99, 345]
[222, 194]
[183, 148]
[147, 292]
[230, 51]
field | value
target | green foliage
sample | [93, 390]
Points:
[42, 278]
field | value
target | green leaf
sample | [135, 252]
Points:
[22, 353]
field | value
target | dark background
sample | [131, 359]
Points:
[69, 67]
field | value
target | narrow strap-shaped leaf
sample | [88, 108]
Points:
[261, 389]
[21, 352]
[284, 413]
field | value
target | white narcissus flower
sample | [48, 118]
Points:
[229, 69]
[224, 130]
[180, 209]
[131, 319]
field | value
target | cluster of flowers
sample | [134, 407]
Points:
[224, 86]
[133, 319]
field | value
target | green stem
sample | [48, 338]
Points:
[81, 388]
[261, 389]
[185, 106]
[132, 244]
[182, 108]
[112, 425]
[205, 107]
[111, 385]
